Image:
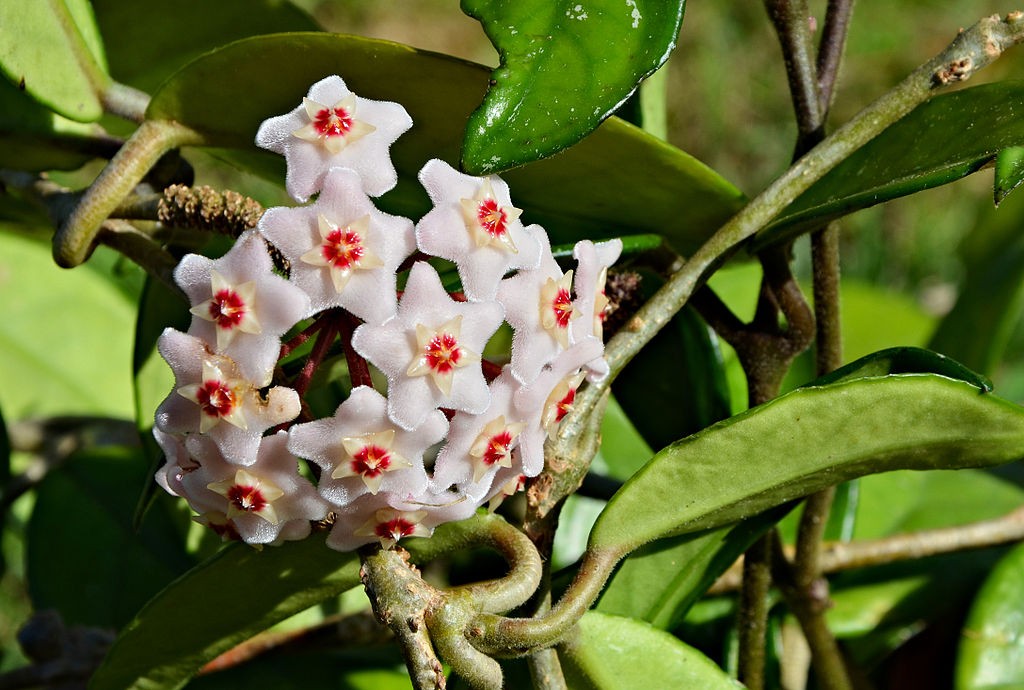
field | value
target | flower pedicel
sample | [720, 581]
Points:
[233, 428]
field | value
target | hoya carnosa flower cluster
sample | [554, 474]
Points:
[453, 430]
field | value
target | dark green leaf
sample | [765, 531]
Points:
[1009, 172]
[620, 180]
[992, 645]
[977, 329]
[660, 581]
[188, 28]
[565, 67]
[175, 634]
[43, 49]
[350, 668]
[904, 360]
[225, 600]
[941, 141]
[773, 453]
[88, 505]
[614, 653]
[676, 385]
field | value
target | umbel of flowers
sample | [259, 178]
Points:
[453, 430]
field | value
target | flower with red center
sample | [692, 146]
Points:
[495, 241]
[342, 250]
[556, 308]
[389, 526]
[487, 220]
[560, 402]
[509, 488]
[240, 306]
[247, 493]
[493, 447]
[369, 457]
[333, 127]
[429, 350]
[220, 524]
[538, 305]
[219, 398]
[355, 461]
[231, 308]
[439, 353]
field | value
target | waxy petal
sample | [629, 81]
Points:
[309, 155]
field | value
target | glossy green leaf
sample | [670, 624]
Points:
[992, 645]
[565, 67]
[65, 337]
[905, 360]
[630, 182]
[659, 581]
[44, 49]
[174, 635]
[197, 26]
[89, 502]
[941, 141]
[250, 590]
[1009, 171]
[614, 653]
[979, 326]
[773, 453]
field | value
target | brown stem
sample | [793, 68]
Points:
[753, 614]
[831, 48]
[324, 339]
[358, 369]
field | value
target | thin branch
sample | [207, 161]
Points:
[842, 556]
[831, 48]
[753, 614]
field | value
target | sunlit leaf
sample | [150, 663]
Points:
[1009, 172]
[772, 453]
[612, 653]
[659, 581]
[992, 644]
[55, 359]
[945, 139]
[565, 67]
[904, 360]
[44, 49]
[617, 181]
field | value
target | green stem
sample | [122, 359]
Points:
[125, 102]
[753, 614]
[75, 239]
[972, 49]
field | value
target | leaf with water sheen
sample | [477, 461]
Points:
[949, 137]
[1009, 172]
[618, 181]
[804, 441]
[565, 67]
[612, 652]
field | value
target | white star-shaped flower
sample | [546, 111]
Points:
[362, 451]
[387, 518]
[422, 349]
[335, 128]
[474, 224]
[212, 398]
[538, 305]
[240, 307]
[343, 251]
[266, 502]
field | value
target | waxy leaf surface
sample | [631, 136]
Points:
[941, 141]
[992, 644]
[565, 66]
[804, 441]
[618, 181]
[1009, 171]
[612, 653]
